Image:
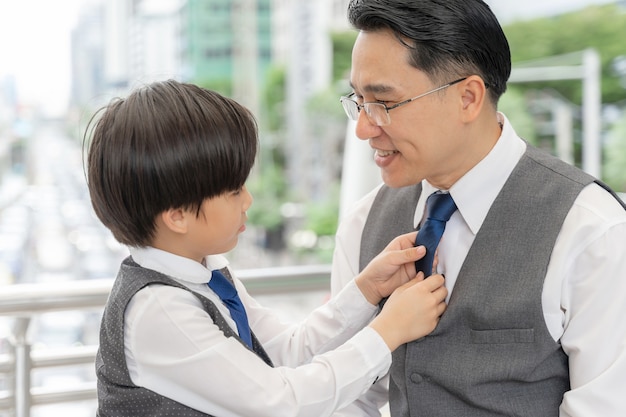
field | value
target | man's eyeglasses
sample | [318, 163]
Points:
[379, 112]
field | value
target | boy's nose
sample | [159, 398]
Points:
[248, 198]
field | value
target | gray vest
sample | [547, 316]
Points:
[491, 354]
[117, 395]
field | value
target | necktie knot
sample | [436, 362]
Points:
[222, 286]
[440, 206]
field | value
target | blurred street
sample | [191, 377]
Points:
[50, 220]
[49, 234]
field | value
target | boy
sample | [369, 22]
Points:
[166, 174]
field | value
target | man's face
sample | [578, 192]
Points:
[424, 138]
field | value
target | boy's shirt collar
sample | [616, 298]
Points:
[176, 266]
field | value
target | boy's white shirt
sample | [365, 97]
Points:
[173, 348]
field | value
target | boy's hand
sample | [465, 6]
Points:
[412, 311]
[393, 267]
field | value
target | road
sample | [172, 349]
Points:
[49, 233]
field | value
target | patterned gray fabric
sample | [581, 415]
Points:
[491, 354]
[117, 395]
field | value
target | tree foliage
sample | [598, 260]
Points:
[269, 190]
[600, 27]
[513, 104]
[342, 53]
[615, 156]
[273, 99]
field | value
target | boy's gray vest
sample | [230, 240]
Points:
[117, 395]
[491, 354]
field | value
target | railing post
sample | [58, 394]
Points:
[23, 366]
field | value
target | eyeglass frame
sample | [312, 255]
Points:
[359, 107]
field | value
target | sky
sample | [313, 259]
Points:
[35, 48]
[507, 10]
[35, 42]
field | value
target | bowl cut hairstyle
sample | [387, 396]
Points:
[168, 145]
[447, 39]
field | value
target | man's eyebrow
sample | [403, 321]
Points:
[375, 88]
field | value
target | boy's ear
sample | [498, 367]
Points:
[175, 219]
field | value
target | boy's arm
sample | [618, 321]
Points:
[345, 265]
[371, 404]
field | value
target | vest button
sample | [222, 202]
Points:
[417, 378]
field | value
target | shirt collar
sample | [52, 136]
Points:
[179, 267]
[475, 192]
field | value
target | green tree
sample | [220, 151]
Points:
[273, 99]
[600, 27]
[342, 53]
[223, 86]
[615, 156]
[269, 189]
[514, 105]
[267, 181]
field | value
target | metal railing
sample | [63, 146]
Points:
[25, 301]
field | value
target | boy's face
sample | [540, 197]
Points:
[217, 227]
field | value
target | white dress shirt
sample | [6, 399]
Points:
[584, 293]
[173, 348]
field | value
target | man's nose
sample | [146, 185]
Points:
[365, 127]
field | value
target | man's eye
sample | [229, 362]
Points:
[376, 100]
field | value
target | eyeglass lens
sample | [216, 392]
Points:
[375, 111]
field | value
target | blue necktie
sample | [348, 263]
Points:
[439, 208]
[228, 294]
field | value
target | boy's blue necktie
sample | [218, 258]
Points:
[439, 209]
[228, 294]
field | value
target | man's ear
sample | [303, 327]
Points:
[175, 219]
[474, 98]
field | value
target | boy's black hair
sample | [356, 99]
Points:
[447, 39]
[168, 145]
